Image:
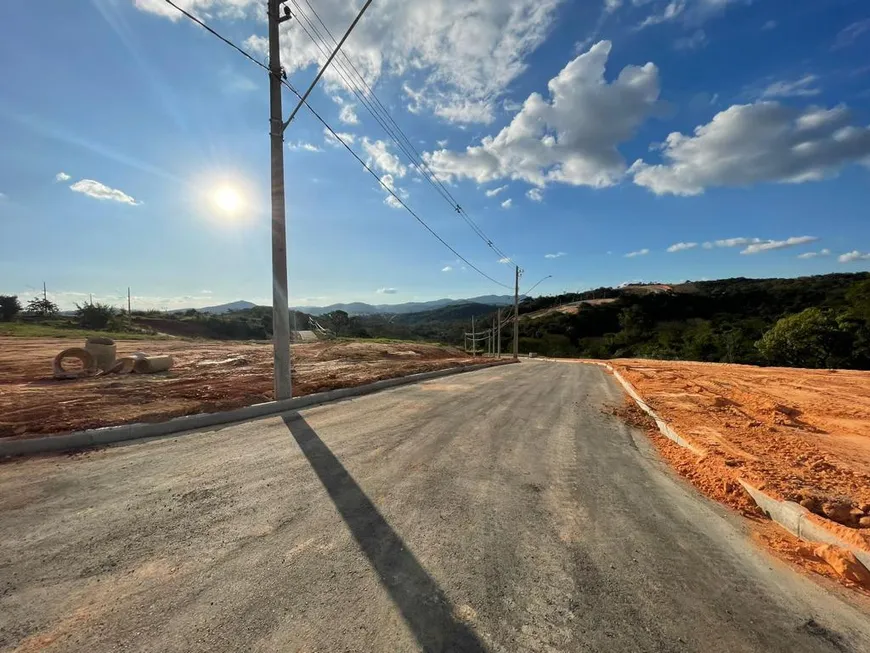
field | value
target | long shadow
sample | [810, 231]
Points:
[423, 604]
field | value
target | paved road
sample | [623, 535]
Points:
[498, 510]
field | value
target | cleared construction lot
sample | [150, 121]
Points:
[501, 510]
[207, 376]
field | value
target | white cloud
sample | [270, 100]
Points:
[495, 191]
[707, 245]
[771, 24]
[753, 143]
[224, 9]
[612, 5]
[854, 255]
[850, 33]
[100, 191]
[690, 12]
[535, 194]
[441, 143]
[679, 247]
[390, 200]
[736, 242]
[556, 255]
[347, 115]
[768, 245]
[62, 176]
[329, 139]
[447, 268]
[696, 40]
[640, 252]
[381, 158]
[507, 203]
[505, 260]
[824, 252]
[386, 291]
[798, 88]
[462, 55]
[308, 147]
[571, 138]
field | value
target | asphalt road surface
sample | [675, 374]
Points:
[498, 510]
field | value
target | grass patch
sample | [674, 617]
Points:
[25, 330]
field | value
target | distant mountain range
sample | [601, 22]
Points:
[361, 308]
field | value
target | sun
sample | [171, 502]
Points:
[227, 199]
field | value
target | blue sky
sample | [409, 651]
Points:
[733, 133]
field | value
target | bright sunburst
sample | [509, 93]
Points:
[228, 200]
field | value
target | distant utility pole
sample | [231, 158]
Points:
[473, 339]
[498, 333]
[517, 313]
[129, 310]
[44, 292]
[277, 125]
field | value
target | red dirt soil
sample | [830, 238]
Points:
[203, 379]
[800, 435]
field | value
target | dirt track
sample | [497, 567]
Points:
[203, 379]
[801, 435]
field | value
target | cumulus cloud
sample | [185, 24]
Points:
[62, 176]
[380, 157]
[753, 143]
[391, 200]
[100, 191]
[535, 194]
[347, 115]
[461, 55]
[507, 203]
[386, 291]
[824, 252]
[495, 191]
[329, 139]
[556, 255]
[571, 137]
[854, 255]
[441, 143]
[679, 247]
[640, 252]
[447, 268]
[768, 245]
[802, 87]
[308, 147]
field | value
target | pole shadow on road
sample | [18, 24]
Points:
[423, 604]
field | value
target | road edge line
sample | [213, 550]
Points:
[75, 440]
[789, 515]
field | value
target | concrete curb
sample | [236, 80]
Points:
[791, 516]
[109, 434]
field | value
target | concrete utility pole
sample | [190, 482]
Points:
[277, 125]
[473, 339]
[129, 310]
[44, 292]
[280, 307]
[517, 313]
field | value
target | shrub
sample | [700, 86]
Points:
[9, 307]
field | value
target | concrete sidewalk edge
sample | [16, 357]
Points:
[789, 515]
[110, 434]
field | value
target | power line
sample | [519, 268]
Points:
[340, 140]
[214, 33]
[416, 159]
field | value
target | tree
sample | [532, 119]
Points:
[811, 338]
[96, 316]
[339, 320]
[42, 306]
[9, 307]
